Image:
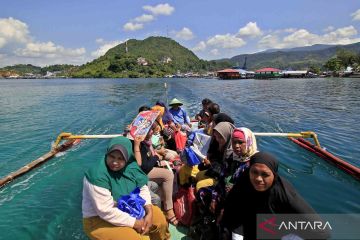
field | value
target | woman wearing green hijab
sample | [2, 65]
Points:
[114, 176]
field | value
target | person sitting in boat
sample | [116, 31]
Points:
[115, 176]
[167, 125]
[179, 115]
[222, 136]
[244, 145]
[200, 116]
[216, 119]
[150, 162]
[158, 144]
[261, 190]
[167, 116]
[222, 117]
[213, 109]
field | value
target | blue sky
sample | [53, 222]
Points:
[49, 32]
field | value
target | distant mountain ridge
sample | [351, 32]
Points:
[306, 48]
[295, 58]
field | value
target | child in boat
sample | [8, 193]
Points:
[158, 144]
[114, 176]
[200, 116]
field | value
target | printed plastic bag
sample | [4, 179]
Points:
[132, 204]
[192, 158]
[201, 143]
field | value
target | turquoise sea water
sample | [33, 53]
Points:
[46, 203]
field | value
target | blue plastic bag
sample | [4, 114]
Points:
[132, 204]
[192, 158]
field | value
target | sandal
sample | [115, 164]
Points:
[173, 220]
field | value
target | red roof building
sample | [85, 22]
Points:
[269, 70]
[229, 74]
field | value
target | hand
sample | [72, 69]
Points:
[137, 141]
[138, 226]
[161, 151]
[147, 223]
[206, 162]
[147, 219]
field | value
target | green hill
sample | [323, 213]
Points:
[299, 58]
[151, 57]
[23, 69]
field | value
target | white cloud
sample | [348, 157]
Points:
[269, 41]
[290, 30]
[132, 26]
[17, 44]
[345, 32]
[225, 41]
[201, 46]
[250, 30]
[281, 31]
[48, 50]
[104, 48]
[356, 15]
[144, 18]
[99, 40]
[329, 29]
[303, 37]
[214, 52]
[13, 31]
[160, 9]
[2, 42]
[184, 34]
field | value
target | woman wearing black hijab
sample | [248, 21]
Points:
[260, 190]
[222, 117]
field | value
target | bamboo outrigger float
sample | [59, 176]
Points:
[298, 138]
[28, 167]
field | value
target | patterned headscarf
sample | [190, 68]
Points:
[251, 146]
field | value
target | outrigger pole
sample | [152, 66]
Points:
[298, 138]
[307, 134]
[71, 140]
[28, 167]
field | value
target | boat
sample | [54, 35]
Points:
[67, 140]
